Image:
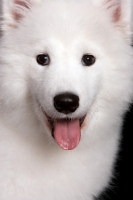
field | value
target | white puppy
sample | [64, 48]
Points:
[66, 81]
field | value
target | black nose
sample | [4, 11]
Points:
[66, 102]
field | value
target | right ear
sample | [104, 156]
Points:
[121, 15]
[14, 11]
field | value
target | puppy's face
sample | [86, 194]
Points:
[65, 83]
[61, 61]
[63, 57]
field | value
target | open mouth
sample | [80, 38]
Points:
[66, 132]
[67, 120]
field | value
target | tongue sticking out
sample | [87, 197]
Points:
[67, 133]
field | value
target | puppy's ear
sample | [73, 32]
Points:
[121, 14]
[13, 12]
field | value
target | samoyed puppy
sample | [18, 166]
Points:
[66, 80]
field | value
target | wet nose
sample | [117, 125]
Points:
[66, 103]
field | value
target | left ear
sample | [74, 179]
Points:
[121, 13]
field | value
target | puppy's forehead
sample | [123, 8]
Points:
[63, 22]
[67, 18]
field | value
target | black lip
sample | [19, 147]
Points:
[51, 120]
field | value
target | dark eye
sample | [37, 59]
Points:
[88, 60]
[43, 59]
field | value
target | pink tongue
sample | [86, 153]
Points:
[67, 133]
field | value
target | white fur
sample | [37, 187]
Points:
[32, 165]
